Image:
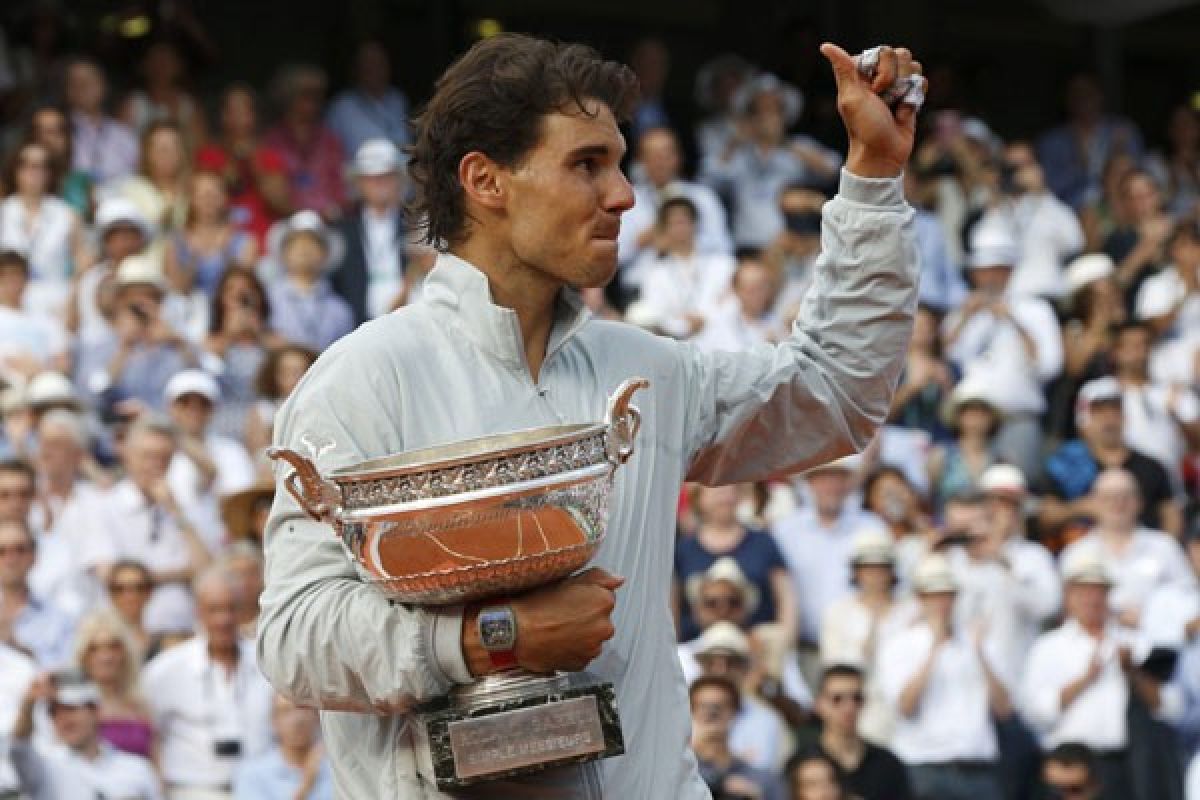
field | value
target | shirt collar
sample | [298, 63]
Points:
[457, 287]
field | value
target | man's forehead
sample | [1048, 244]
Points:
[572, 128]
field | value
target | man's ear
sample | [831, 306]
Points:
[481, 180]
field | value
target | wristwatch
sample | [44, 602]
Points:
[498, 634]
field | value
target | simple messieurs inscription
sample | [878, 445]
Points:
[525, 737]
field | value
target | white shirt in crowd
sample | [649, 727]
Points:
[17, 671]
[1097, 717]
[1151, 427]
[675, 287]
[1161, 293]
[30, 334]
[818, 559]
[57, 773]
[1048, 233]
[61, 574]
[1151, 560]
[235, 472]
[132, 527]
[728, 329]
[45, 240]
[791, 682]
[196, 704]
[712, 227]
[383, 247]
[953, 719]
[993, 350]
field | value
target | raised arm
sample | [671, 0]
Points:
[824, 391]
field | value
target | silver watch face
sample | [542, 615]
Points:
[497, 628]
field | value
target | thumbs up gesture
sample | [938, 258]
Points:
[881, 136]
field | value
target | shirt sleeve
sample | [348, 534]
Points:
[1040, 689]
[326, 638]
[823, 392]
[32, 776]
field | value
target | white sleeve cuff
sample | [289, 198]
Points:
[881, 192]
[446, 643]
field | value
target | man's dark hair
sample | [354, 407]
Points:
[1128, 325]
[12, 258]
[1074, 754]
[493, 100]
[680, 202]
[717, 682]
[839, 671]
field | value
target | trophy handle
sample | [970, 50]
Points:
[317, 497]
[623, 421]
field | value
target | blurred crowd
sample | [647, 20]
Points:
[999, 599]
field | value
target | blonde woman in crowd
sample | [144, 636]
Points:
[129, 586]
[160, 187]
[107, 653]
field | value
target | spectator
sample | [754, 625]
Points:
[304, 309]
[1094, 309]
[661, 180]
[717, 84]
[279, 374]
[715, 701]
[868, 771]
[1138, 559]
[956, 467]
[856, 626]
[1164, 421]
[1169, 301]
[255, 174]
[17, 672]
[132, 365]
[209, 242]
[1073, 467]
[651, 62]
[33, 625]
[295, 766]
[245, 512]
[814, 776]
[210, 703]
[1178, 169]
[207, 466]
[759, 161]
[1011, 342]
[164, 98]
[373, 277]
[50, 127]
[888, 494]
[122, 232]
[945, 692]
[160, 187]
[927, 379]
[1137, 245]
[756, 553]
[129, 586]
[35, 222]
[1069, 771]
[372, 108]
[64, 514]
[82, 763]
[238, 336]
[816, 541]
[107, 656]
[311, 152]
[29, 341]
[1047, 230]
[104, 149]
[681, 287]
[942, 284]
[143, 520]
[748, 319]
[1074, 153]
[1077, 683]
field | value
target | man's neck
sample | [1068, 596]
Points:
[713, 751]
[827, 518]
[1109, 455]
[532, 295]
[90, 750]
[225, 655]
[381, 209]
[295, 756]
[844, 746]
[303, 282]
[1131, 376]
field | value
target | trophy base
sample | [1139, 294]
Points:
[517, 723]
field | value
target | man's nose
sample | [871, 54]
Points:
[619, 195]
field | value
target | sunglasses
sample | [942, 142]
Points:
[714, 602]
[121, 588]
[16, 549]
[839, 698]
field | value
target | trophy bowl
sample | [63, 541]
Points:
[475, 518]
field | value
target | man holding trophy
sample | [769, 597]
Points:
[453, 447]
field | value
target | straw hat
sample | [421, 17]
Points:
[872, 547]
[1003, 479]
[968, 390]
[723, 569]
[237, 509]
[934, 575]
[723, 638]
[1085, 566]
[52, 389]
[305, 222]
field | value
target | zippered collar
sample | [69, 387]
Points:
[458, 288]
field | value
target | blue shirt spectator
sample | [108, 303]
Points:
[371, 109]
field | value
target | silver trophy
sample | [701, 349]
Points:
[479, 519]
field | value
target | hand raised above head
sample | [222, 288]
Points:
[881, 136]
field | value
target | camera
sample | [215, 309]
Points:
[227, 748]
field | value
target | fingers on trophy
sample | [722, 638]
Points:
[904, 89]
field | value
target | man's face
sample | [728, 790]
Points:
[1117, 500]
[1069, 781]
[830, 488]
[712, 711]
[75, 726]
[303, 255]
[13, 280]
[239, 117]
[58, 451]
[937, 607]
[85, 88]
[216, 609]
[720, 601]
[840, 702]
[380, 191]
[1002, 513]
[1131, 350]
[659, 153]
[191, 412]
[754, 287]
[147, 456]
[766, 118]
[678, 229]
[1087, 603]
[563, 203]
[17, 555]
[49, 128]
[815, 780]
[1106, 423]
[16, 495]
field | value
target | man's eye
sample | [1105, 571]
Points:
[588, 164]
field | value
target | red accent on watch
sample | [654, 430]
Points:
[503, 659]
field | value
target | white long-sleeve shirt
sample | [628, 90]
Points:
[452, 366]
[1151, 560]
